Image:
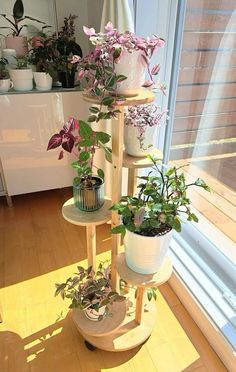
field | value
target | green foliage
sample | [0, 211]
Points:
[89, 289]
[162, 198]
[4, 74]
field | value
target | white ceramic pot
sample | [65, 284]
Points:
[133, 67]
[92, 314]
[5, 85]
[145, 254]
[133, 146]
[22, 79]
[43, 81]
[19, 43]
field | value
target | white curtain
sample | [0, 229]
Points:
[119, 13]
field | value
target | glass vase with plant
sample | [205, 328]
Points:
[149, 218]
[90, 291]
[15, 40]
[141, 122]
[79, 139]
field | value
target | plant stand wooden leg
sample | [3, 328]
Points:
[132, 180]
[91, 245]
[139, 304]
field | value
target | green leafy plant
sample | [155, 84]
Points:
[4, 74]
[162, 198]
[41, 53]
[78, 138]
[22, 63]
[18, 18]
[89, 289]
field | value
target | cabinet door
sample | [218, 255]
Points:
[27, 122]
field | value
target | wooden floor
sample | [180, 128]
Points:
[39, 248]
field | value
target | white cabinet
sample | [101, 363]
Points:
[27, 121]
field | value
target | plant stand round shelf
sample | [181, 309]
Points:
[132, 322]
[90, 220]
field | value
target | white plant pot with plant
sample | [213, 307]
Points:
[5, 82]
[15, 40]
[141, 123]
[90, 291]
[22, 76]
[78, 138]
[43, 81]
[149, 218]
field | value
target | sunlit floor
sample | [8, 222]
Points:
[39, 248]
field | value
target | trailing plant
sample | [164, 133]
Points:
[97, 72]
[89, 289]
[78, 138]
[4, 74]
[143, 116]
[161, 200]
[18, 17]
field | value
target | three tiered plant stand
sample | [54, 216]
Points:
[132, 321]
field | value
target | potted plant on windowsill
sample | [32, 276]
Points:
[149, 218]
[65, 48]
[141, 123]
[15, 40]
[90, 291]
[5, 83]
[41, 56]
[22, 76]
[78, 138]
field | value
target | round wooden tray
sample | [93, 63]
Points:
[143, 280]
[81, 218]
[129, 334]
[144, 96]
[140, 162]
[104, 327]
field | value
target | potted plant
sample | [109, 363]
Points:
[22, 75]
[90, 291]
[78, 138]
[149, 218]
[65, 49]
[141, 122]
[122, 54]
[5, 83]
[41, 55]
[15, 40]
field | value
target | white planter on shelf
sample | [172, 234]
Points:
[43, 81]
[145, 254]
[92, 314]
[132, 144]
[22, 79]
[133, 67]
[19, 43]
[5, 85]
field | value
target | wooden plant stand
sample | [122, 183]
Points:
[132, 321]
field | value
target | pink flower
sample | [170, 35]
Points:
[89, 31]
[109, 28]
[37, 41]
[75, 59]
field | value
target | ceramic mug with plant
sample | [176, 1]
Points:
[141, 122]
[90, 291]
[149, 218]
[22, 75]
[15, 40]
[79, 139]
[5, 82]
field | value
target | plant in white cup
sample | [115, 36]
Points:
[5, 82]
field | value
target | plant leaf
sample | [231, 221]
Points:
[100, 173]
[54, 142]
[18, 9]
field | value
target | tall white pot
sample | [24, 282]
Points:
[133, 146]
[43, 81]
[145, 254]
[133, 67]
[22, 79]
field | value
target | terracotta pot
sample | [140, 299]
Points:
[133, 67]
[145, 254]
[19, 43]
